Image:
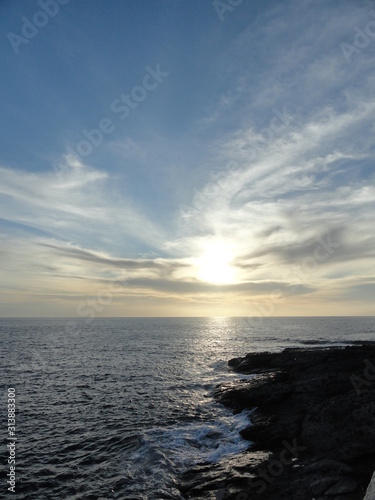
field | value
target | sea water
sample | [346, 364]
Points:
[119, 408]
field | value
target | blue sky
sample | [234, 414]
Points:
[187, 158]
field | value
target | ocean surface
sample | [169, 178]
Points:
[118, 408]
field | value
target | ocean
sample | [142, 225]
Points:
[119, 408]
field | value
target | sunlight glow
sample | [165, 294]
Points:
[214, 265]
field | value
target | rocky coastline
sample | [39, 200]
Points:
[313, 427]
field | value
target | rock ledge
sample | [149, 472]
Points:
[313, 426]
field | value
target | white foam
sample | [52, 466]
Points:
[370, 492]
[198, 442]
[211, 437]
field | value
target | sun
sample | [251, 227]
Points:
[214, 265]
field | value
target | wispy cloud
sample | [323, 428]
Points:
[77, 203]
[208, 200]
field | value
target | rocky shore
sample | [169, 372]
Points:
[313, 427]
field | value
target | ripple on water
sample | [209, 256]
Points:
[119, 410]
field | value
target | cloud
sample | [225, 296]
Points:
[277, 191]
[148, 267]
[75, 203]
[276, 161]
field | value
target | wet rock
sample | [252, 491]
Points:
[321, 485]
[344, 485]
[328, 465]
[319, 401]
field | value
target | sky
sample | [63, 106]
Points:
[187, 158]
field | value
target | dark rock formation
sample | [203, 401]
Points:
[313, 429]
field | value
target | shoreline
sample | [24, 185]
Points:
[312, 432]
